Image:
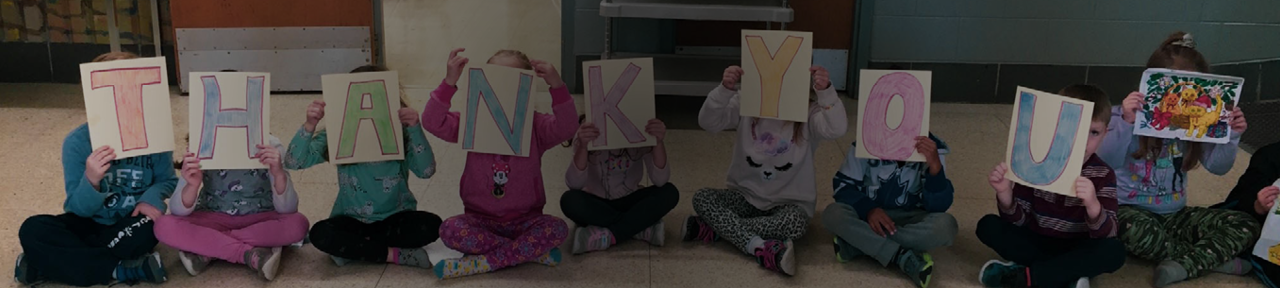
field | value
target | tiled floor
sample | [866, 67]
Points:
[34, 118]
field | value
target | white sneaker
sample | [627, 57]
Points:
[1082, 283]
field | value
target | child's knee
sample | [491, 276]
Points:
[295, 225]
[35, 226]
[944, 224]
[1112, 253]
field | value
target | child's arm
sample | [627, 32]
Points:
[850, 187]
[550, 130]
[658, 168]
[827, 117]
[1115, 146]
[83, 198]
[184, 202]
[1263, 170]
[1006, 201]
[576, 177]
[307, 149]
[1219, 158]
[938, 191]
[285, 200]
[436, 117]
[720, 109]
[418, 153]
[163, 181]
[177, 206]
[1107, 226]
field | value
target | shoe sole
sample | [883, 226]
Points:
[789, 259]
[988, 265]
[186, 263]
[272, 266]
[659, 235]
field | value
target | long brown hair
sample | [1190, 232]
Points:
[1176, 52]
[112, 56]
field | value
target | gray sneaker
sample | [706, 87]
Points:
[195, 263]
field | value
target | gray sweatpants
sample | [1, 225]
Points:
[917, 230]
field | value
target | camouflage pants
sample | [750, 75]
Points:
[1198, 238]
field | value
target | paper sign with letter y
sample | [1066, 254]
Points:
[361, 112]
[1047, 139]
[775, 80]
[620, 101]
[127, 106]
[498, 118]
[230, 116]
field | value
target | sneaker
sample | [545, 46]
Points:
[1082, 283]
[22, 272]
[146, 268]
[656, 235]
[551, 258]
[591, 238]
[265, 261]
[195, 263]
[918, 266]
[777, 256]
[998, 273]
[697, 230]
[340, 261]
[835, 243]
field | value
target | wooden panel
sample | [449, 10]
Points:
[274, 13]
[196, 39]
[291, 70]
[831, 22]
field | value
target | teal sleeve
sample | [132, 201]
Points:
[82, 199]
[163, 181]
[307, 149]
[418, 155]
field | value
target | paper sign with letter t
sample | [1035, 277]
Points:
[620, 101]
[230, 116]
[893, 109]
[498, 118]
[127, 106]
[362, 112]
[1047, 139]
[775, 79]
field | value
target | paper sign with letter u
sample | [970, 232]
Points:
[230, 116]
[362, 114]
[620, 101]
[498, 118]
[887, 131]
[1046, 140]
[775, 80]
[127, 106]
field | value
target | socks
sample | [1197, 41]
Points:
[465, 266]
[1235, 266]
[552, 258]
[416, 257]
[1169, 272]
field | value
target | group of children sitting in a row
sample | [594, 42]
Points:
[1131, 197]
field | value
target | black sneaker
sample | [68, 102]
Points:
[147, 268]
[22, 272]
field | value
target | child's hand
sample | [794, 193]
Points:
[1266, 199]
[731, 77]
[408, 117]
[455, 64]
[657, 129]
[1131, 105]
[315, 112]
[148, 210]
[1086, 193]
[547, 72]
[926, 146]
[268, 155]
[881, 223]
[191, 169]
[1237, 120]
[1003, 186]
[821, 79]
[96, 166]
[587, 133]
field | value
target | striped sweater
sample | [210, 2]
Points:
[1060, 216]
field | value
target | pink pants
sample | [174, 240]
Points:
[504, 244]
[227, 237]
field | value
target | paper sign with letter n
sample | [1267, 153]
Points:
[127, 106]
[1047, 139]
[362, 112]
[620, 101]
[230, 116]
[499, 113]
[893, 109]
[775, 80]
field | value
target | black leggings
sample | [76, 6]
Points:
[79, 251]
[349, 238]
[624, 217]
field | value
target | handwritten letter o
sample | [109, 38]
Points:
[881, 140]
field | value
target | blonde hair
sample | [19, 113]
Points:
[520, 56]
[112, 56]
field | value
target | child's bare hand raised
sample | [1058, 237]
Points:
[1003, 186]
[929, 149]
[191, 169]
[1266, 200]
[732, 75]
[587, 133]
[455, 64]
[1131, 105]
[96, 166]
[315, 112]
[821, 78]
[1087, 194]
[657, 129]
[546, 71]
[408, 117]
[1238, 125]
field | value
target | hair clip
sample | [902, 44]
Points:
[1186, 41]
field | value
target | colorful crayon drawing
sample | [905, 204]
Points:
[1187, 105]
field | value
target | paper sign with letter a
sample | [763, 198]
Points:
[362, 112]
[1046, 140]
[498, 118]
[127, 106]
[893, 109]
[230, 116]
[619, 101]
[775, 79]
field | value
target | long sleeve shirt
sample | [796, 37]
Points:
[613, 174]
[1058, 215]
[148, 178]
[238, 192]
[866, 184]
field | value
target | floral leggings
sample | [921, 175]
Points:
[504, 244]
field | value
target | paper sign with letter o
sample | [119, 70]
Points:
[498, 118]
[1046, 140]
[893, 109]
[230, 116]
[619, 101]
[362, 114]
[127, 106]
[775, 80]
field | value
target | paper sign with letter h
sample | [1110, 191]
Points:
[1047, 140]
[362, 112]
[127, 106]
[230, 116]
[775, 80]
[505, 126]
[893, 109]
[620, 101]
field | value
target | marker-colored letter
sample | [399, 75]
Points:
[1047, 170]
[881, 140]
[126, 87]
[606, 105]
[480, 89]
[367, 101]
[249, 118]
[773, 67]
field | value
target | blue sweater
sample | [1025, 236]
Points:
[148, 178]
[893, 186]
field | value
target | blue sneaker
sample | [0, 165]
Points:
[147, 268]
[997, 273]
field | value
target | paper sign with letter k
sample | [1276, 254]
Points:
[620, 101]
[775, 80]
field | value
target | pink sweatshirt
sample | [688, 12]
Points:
[483, 191]
[613, 174]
